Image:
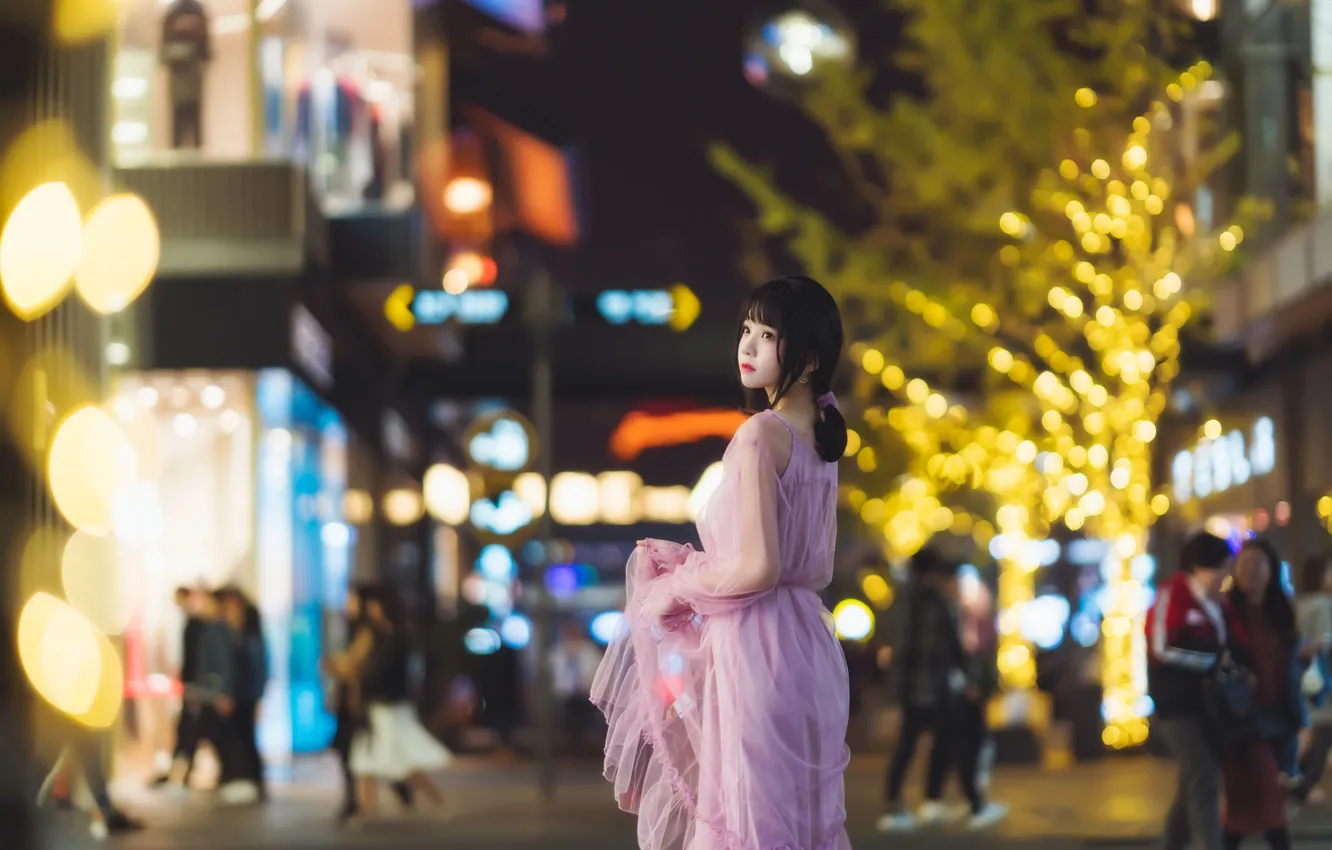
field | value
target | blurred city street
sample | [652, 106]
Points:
[1111, 804]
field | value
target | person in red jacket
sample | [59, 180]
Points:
[1186, 640]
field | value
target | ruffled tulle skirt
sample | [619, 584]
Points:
[393, 745]
[727, 732]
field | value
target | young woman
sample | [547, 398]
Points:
[392, 746]
[725, 691]
[1260, 622]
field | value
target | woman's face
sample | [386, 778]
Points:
[758, 356]
[234, 610]
[1252, 572]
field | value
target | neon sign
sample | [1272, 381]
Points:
[1214, 466]
[473, 307]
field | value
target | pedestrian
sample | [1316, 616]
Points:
[82, 756]
[1260, 620]
[350, 708]
[980, 643]
[392, 745]
[931, 675]
[725, 691]
[213, 694]
[573, 665]
[1313, 616]
[245, 774]
[1186, 638]
[187, 721]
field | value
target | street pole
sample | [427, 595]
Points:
[541, 317]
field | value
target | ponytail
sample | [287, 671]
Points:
[829, 429]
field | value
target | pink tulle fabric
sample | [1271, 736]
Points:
[725, 689]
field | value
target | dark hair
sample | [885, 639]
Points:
[1276, 604]
[1203, 550]
[928, 562]
[809, 328]
[1313, 574]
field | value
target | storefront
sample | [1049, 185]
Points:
[1231, 474]
[329, 83]
[249, 491]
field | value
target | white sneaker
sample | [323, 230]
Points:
[988, 816]
[98, 830]
[239, 793]
[900, 822]
[932, 812]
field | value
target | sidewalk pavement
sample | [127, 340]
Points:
[1109, 804]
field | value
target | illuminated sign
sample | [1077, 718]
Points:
[473, 307]
[311, 347]
[639, 430]
[504, 447]
[526, 15]
[502, 516]
[677, 307]
[1214, 466]
[644, 306]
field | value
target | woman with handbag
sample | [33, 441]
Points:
[1260, 622]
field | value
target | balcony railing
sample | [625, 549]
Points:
[1254, 305]
[226, 217]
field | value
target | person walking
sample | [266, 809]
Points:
[1186, 638]
[1313, 617]
[188, 600]
[1260, 620]
[930, 666]
[980, 642]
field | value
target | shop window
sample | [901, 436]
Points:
[328, 83]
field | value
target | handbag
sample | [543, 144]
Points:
[1231, 700]
[1312, 683]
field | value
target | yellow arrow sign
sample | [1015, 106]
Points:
[686, 307]
[398, 308]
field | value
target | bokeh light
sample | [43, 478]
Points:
[69, 663]
[121, 247]
[39, 249]
[95, 584]
[89, 461]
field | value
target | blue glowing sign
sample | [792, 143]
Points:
[504, 447]
[503, 516]
[473, 307]
[644, 306]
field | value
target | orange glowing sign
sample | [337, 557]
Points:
[639, 431]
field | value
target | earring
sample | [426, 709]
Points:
[805, 379]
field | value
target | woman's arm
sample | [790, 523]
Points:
[347, 665]
[748, 563]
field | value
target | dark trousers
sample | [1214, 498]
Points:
[916, 721]
[187, 738]
[972, 735]
[1194, 818]
[342, 746]
[1277, 839]
[1314, 763]
[246, 762]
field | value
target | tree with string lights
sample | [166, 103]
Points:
[1017, 302]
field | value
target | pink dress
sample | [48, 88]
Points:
[725, 689]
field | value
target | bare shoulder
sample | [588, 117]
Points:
[767, 432]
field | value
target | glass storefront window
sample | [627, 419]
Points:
[329, 83]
